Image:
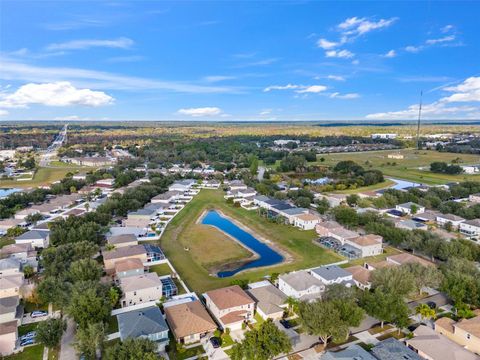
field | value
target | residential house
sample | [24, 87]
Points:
[122, 240]
[393, 349]
[367, 245]
[166, 197]
[410, 208]
[405, 258]
[144, 323]
[334, 200]
[123, 253]
[465, 332]
[306, 221]
[301, 285]
[6, 224]
[471, 228]
[334, 230]
[189, 321]
[38, 239]
[24, 213]
[451, 219]
[431, 345]
[360, 276]
[141, 218]
[11, 285]
[429, 216]
[138, 289]
[231, 306]
[182, 185]
[9, 267]
[332, 274]
[236, 185]
[129, 267]
[355, 352]
[9, 309]
[21, 252]
[271, 302]
[8, 337]
[92, 161]
[411, 225]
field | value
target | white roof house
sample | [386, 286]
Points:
[407, 208]
[301, 285]
[333, 274]
[38, 239]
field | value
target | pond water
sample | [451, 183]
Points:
[267, 256]
[4, 192]
[402, 184]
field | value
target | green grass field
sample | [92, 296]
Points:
[408, 167]
[44, 176]
[34, 352]
[298, 244]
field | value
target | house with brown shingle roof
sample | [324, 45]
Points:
[465, 332]
[140, 289]
[189, 321]
[405, 258]
[231, 306]
[122, 240]
[8, 337]
[129, 267]
[361, 276]
[368, 245]
[123, 253]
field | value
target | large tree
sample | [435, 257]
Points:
[424, 276]
[49, 332]
[330, 319]
[394, 280]
[133, 349]
[89, 340]
[89, 303]
[85, 270]
[263, 343]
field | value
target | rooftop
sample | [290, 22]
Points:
[139, 282]
[300, 280]
[188, 319]
[229, 297]
[392, 349]
[142, 322]
[331, 272]
[126, 251]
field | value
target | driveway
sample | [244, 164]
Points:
[67, 351]
[212, 353]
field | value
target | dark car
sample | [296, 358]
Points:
[215, 342]
[286, 324]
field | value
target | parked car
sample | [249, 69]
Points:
[286, 324]
[29, 335]
[38, 313]
[215, 342]
[27, 342]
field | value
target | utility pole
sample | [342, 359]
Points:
[419, 118]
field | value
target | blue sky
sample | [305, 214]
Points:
[285, 60]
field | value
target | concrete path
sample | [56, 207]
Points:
[67, 351]
[212, 353]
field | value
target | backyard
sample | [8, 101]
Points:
[190, 260]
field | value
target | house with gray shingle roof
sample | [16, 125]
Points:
[355, 352]
[38, 239]
[147, 322]
[271, 302]
[301, 285]
[392, 349]
[333, 274]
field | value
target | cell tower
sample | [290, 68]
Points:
[419, 118]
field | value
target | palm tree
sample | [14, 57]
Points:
[292, 304]
[425, 312]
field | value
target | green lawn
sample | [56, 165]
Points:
[408, 167]
[161, 269]
[34, 352]
[298, 244]
[5, 240]
[183, 353]
[29, 307]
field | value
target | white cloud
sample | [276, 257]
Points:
[217, 78]
[447, 28]
[125, 59]
[3, 112]
[337, 95]
[265, 112]
[201, 112]
[440, 40]
[360, 26]
[390, 54]
[336, 77]
[17, 71]
[312, 89]
[326, 45]
[345, 54]
[281, 87]
[301, 89]
[467, 91]
[413, 49]
[120, 43]
[54, 94]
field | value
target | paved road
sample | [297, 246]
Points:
[67, 351]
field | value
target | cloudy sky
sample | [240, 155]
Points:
[285, 60]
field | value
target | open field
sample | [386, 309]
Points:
[43, 176]
[298, 244]
[408, 167]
